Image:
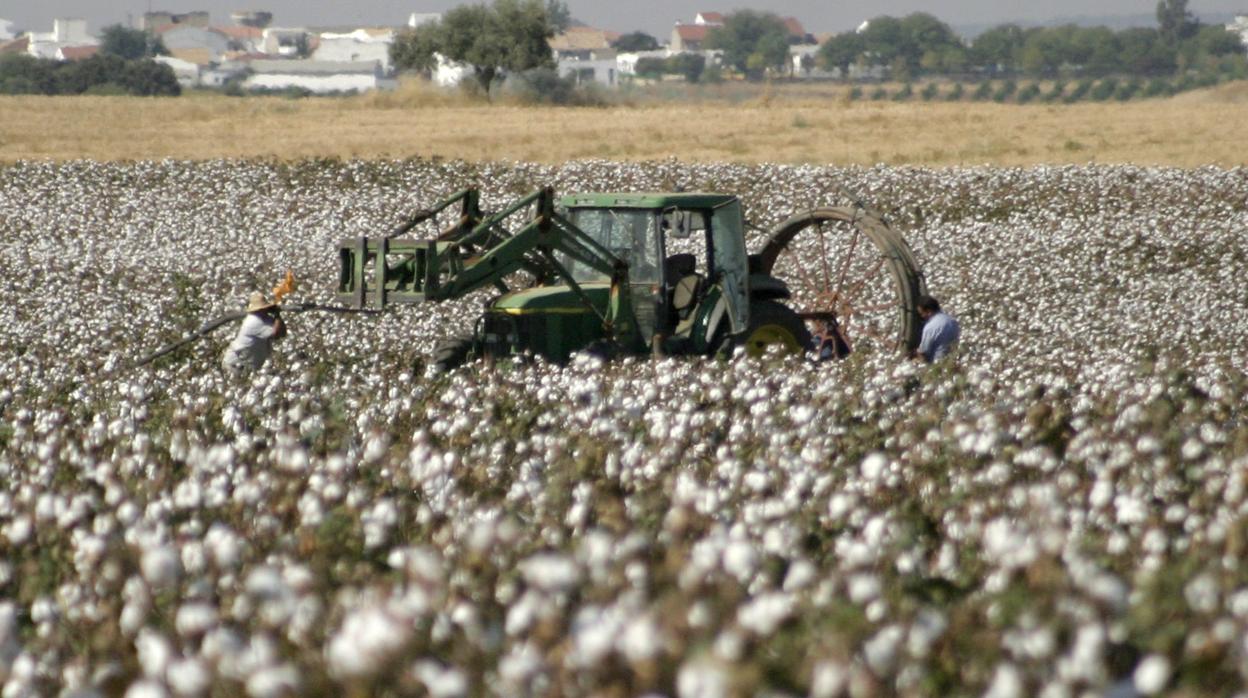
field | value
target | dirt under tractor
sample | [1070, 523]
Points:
[645, 273]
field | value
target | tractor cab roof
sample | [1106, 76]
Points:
[655, 200]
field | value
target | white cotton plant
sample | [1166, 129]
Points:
[344, 520]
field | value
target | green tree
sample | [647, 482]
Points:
[688, 65]
[1216, 41]
[998, 49]
[925, 34]
[130, 43]
[416, 49]
[1047, 50]
[885, 40]
[1097, 50]
[636, 41]
[841, 51]
[21, 73]
[651, 67]
[1146, 52]
[508, 36]
[1174, 21]
[752, 42]
[148, 78]
[558, 15]
[905, 43]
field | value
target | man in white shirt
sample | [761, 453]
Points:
[940, 331]
[254, 342]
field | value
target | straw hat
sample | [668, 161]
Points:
[257, 302]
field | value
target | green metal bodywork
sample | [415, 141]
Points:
[582, 294]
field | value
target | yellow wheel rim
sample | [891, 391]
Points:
[769, 336]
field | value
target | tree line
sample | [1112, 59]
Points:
[919, 44]
[123, 66]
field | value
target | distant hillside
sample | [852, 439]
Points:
[1112, 21]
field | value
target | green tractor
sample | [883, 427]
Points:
[645, 273]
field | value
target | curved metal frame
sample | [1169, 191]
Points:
[895, 255]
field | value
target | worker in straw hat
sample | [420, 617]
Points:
[254, 343]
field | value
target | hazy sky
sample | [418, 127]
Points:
[654, 16]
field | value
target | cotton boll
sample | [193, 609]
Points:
[1151, 675]
[702, 679]
[366, 641]
[146, 689]
[189, 677]
[155, 653]
[161, 566]
[441, 682]
[273, 682]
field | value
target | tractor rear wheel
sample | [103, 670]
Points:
[773, 324]
[849, 271]
[452, 353]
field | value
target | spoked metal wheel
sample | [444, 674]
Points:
[849, 273]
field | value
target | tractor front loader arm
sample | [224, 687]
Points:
[376, 272]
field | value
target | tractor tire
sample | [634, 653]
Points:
[772, 324]
[452, 353]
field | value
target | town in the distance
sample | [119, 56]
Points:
[253, 51]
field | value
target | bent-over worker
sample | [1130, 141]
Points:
[254, 342]
[940, 331]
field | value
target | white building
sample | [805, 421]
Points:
[219, 75]
[419, 18]
[449, 73]
[186, 72]
[359, 45]
[65, 33]
[626, 63]
[194, 43]
[284, 42]
[1239, 26]
[804, 63]
[319, 77]
[605, 71]
[6, 30]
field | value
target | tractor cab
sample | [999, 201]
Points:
[687, 265]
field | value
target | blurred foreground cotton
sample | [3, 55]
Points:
[1058, 510]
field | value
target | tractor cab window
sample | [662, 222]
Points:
[731, 260]
[708, 246]
[684, 233]
[629, 234]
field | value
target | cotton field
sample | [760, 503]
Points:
[1060, 511]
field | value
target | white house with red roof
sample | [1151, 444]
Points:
[76, 53]
[66, 33]
[688, 37]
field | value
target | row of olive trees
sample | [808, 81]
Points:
[920, 44]
[1063, 92]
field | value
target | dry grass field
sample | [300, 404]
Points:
[805, 127]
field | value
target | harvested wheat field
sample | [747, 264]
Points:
[1190, 130]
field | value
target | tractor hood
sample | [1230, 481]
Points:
[554, 300]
